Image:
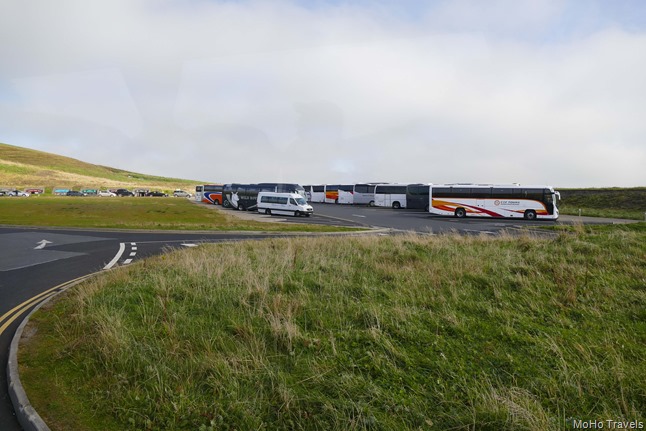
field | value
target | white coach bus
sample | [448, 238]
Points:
[315, 193]
[390, 195]
[364, 194]
[345, 194]
[490, 200]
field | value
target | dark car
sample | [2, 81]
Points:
[124, 192]
[74, 193]
[157, 194]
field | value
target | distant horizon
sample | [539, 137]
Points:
[326, 183]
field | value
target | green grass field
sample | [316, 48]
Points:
[395, 333]
[131, 213]
[628, 203]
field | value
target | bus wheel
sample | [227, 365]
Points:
[460, 213]
[396, 205]
[297, 213]
[530, 215]
[268, 211]
[371, 203]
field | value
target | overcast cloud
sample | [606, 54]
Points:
[332, 91]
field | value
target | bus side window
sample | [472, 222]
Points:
[292, 201]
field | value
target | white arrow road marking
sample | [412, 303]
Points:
[358, 215]
[189, 245]
[42, 244]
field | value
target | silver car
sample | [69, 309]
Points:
[18, 193]
[181, 194]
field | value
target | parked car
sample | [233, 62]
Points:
[156, 194]
[106, 194]
[124, 192]
[18, 193]
[35, 191]
[181, 194]
[74, 193]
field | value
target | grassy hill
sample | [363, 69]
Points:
[25, 168]
[606, 202]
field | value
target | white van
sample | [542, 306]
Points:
[283, 204]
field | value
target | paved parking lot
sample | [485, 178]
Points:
[414, 220]
[399, 220]
[421, 221]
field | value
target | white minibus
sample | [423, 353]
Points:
[283, 204]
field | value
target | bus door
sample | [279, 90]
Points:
[548, 200]
[388, 199]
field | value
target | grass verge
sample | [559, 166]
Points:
[133, 213]
[396, 333]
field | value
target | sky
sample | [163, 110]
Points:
[496, 91]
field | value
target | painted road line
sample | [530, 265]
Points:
[24, 307]
[133, 253]
[19, 309]
[122, 248]
[41, 244]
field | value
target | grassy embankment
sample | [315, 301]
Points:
[628, 203]
[402, 333]
[133, 213]
[25, 168]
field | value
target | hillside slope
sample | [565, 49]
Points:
[26, 168]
